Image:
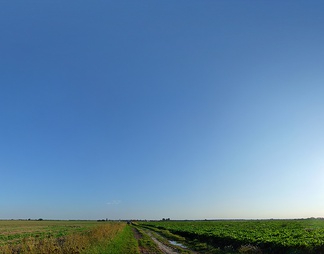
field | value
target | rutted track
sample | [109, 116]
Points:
[164, 248]
[163, 244]
[150, 242]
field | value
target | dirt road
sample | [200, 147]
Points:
[160, 242]
[164, 248]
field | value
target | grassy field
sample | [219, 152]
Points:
[13, 232]
[208, 237]
[73, 237]
[66, 237]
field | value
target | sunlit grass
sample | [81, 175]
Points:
[94, 238]
[124, 242]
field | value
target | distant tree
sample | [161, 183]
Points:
[40, 219]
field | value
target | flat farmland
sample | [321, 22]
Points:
[66, 237]
[166, 236]
[247, 236]
[74, 237]
[12, 231]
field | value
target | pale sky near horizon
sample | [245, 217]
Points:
[152, 109]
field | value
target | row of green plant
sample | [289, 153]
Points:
[268, 236]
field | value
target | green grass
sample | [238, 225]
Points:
[14, 232]
[123, 242]
[66, 237]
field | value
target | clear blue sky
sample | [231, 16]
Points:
[151, 109]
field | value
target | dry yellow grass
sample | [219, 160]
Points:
[74, 243]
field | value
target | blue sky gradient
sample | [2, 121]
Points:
[151, 109]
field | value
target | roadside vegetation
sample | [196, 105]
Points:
[122, 241]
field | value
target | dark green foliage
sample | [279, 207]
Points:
[252, 236]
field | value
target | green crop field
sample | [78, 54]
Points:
[248, 236]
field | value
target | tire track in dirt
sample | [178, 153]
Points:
[164, 248]
[160, 243]
[138, 236]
